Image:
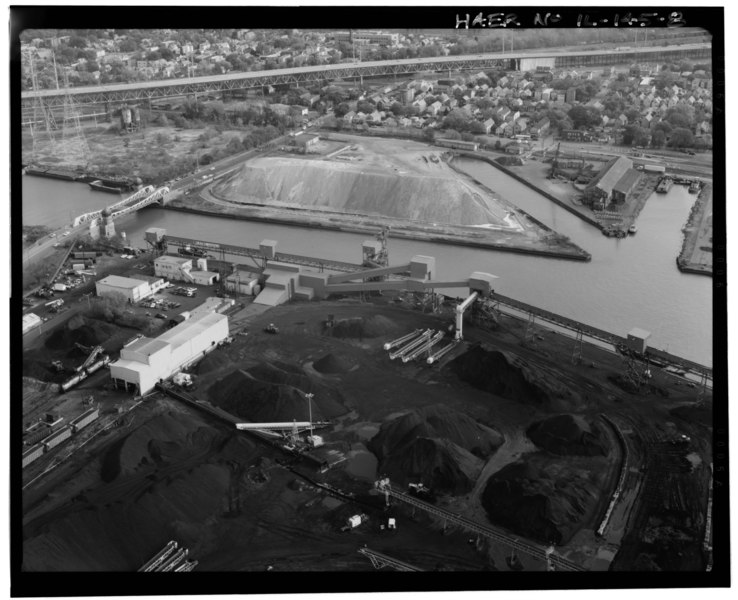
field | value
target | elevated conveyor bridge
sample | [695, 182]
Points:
[255, 253]
[524, 547]
[599, 334]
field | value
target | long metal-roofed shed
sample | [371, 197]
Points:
[600, 188]
[625, 185]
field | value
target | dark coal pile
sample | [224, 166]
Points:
[329, 399]
[267, 393]
[37, 369]
[331, 364]
[214, 361]
[360, 327]
[568, 434]
[437, 445]
[87, 332]
[694, 413]
[511, 377]
[541, 498]
[439, 464]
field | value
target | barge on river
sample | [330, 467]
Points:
[664, 185]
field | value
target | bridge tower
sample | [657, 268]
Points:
[108, 223]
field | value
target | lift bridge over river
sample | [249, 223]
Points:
[143, 197]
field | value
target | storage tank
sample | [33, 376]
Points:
[57, 438]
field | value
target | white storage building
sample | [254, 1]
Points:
[181, 269]
[134, 290]
[146, 361]
[31, 320]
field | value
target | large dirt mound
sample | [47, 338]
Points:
[436, 445]
[360, 327]
[268, 393]
[330, 364]
[568, 434]
[88, 332]
[542, 498]
[511, 377]
[353, 189]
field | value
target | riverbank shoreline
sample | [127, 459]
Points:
[398, 231]
[696, 253]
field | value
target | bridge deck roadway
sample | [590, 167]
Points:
[232, 81]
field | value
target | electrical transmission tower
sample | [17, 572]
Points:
[74, 142]
[42, 120]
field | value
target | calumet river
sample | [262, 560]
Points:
[630, 282]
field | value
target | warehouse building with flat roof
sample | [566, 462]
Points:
[134, 290]
[146, 361]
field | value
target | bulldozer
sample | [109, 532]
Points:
[271, 328]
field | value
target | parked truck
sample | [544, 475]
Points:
[654, 168]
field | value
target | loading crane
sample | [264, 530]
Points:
[90, 359]
[460, 315]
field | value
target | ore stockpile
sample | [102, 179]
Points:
[503, 431]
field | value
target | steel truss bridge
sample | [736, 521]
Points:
[143, 197]
[152, 90]
[534, 550]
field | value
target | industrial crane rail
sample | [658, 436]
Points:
[380, 560]
[306, 261]
[535, 551]
[599, 334]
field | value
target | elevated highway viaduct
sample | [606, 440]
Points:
[146, 91]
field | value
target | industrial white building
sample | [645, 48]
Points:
[178, 268]
[31, 320]
[244, 283]
[133, 290]
[146, 361]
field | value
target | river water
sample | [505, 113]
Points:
[631, 282]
